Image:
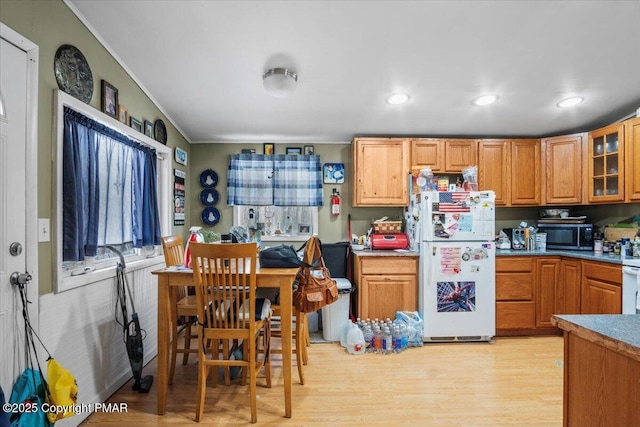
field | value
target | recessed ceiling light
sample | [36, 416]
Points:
[485, 99]
[398, 98]
[570, 102]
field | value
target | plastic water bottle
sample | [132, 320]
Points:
[405, 337]
[397, 339]
[367, 332]
[387, 341]
[377, 339]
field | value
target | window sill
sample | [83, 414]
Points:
[72, 282]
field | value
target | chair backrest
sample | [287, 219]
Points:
[225, 274]
[336, 257]
[173, 250]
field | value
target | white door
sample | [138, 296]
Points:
[17, 250]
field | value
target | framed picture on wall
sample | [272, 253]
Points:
[333, 173]
[294, 150]
[123, 114]
[135, 124]
[308, 150]
[109, 99]
[181, 156]
[269, 148]
[148, 128]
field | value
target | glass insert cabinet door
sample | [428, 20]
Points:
[606, 164]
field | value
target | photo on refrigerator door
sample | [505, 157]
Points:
[456, 296]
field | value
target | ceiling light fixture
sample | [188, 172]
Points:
[570, 102]
[398, 98]
[485, 100]
[279, 82]
[3, 111]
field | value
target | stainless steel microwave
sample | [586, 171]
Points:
[575, 237]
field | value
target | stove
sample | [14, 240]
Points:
[630, 285]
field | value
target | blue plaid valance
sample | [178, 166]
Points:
[278, 180]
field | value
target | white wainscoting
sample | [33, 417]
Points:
[79, 329]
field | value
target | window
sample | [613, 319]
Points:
[275, 195]
[278, 223]
[112, 189]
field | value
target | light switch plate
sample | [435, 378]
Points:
[43, 230]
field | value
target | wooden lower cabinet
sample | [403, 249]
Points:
[385, 284]
[549, 291]
[571, 277]
[601, 385]
[515, 305]
[601, 291]
[531, 289]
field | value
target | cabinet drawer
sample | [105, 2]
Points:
[523, 264]
[514, 287]
[389, 265]
[602, 271]
[515, 315]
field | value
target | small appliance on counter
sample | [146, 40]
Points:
[568, 233]
[389, 241]
[388, 235]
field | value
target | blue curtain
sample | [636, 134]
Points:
[109, 194]
[250, 180]
[274, 180]
[298, 180]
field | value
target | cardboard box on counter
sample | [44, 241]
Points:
[613, 234]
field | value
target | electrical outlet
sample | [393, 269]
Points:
[43, 230]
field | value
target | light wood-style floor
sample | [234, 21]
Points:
[511, 382]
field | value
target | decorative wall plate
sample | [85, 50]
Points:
[209, 197]
[73, 73]
[210, 216]
[160, 131]
[208, 179]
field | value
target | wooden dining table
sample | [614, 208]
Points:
[281, 278]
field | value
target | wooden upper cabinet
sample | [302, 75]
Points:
[428, 152]
[563, 169]
[511, 168]
[606, 164]
[494, 168]
[525, 172]
[381, 169]
[460, 154]
[632, 160]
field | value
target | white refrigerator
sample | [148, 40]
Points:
[455, 233]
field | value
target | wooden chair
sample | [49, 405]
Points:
[300, 338]
[226, 274]
[185, 307]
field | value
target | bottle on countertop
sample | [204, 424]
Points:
[598, 247]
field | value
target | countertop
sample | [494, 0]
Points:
[384, 252]
[617, 332]
[588, 255]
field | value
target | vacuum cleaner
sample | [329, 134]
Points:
[133, 334]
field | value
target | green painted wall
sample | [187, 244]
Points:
[49, 24]
[332, 229]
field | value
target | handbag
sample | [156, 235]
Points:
[281, 256]
[315, 288]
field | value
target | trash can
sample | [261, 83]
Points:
[335, 315]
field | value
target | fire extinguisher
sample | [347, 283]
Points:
[335, 203]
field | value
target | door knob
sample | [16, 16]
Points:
[19, 278]
[15, 249]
